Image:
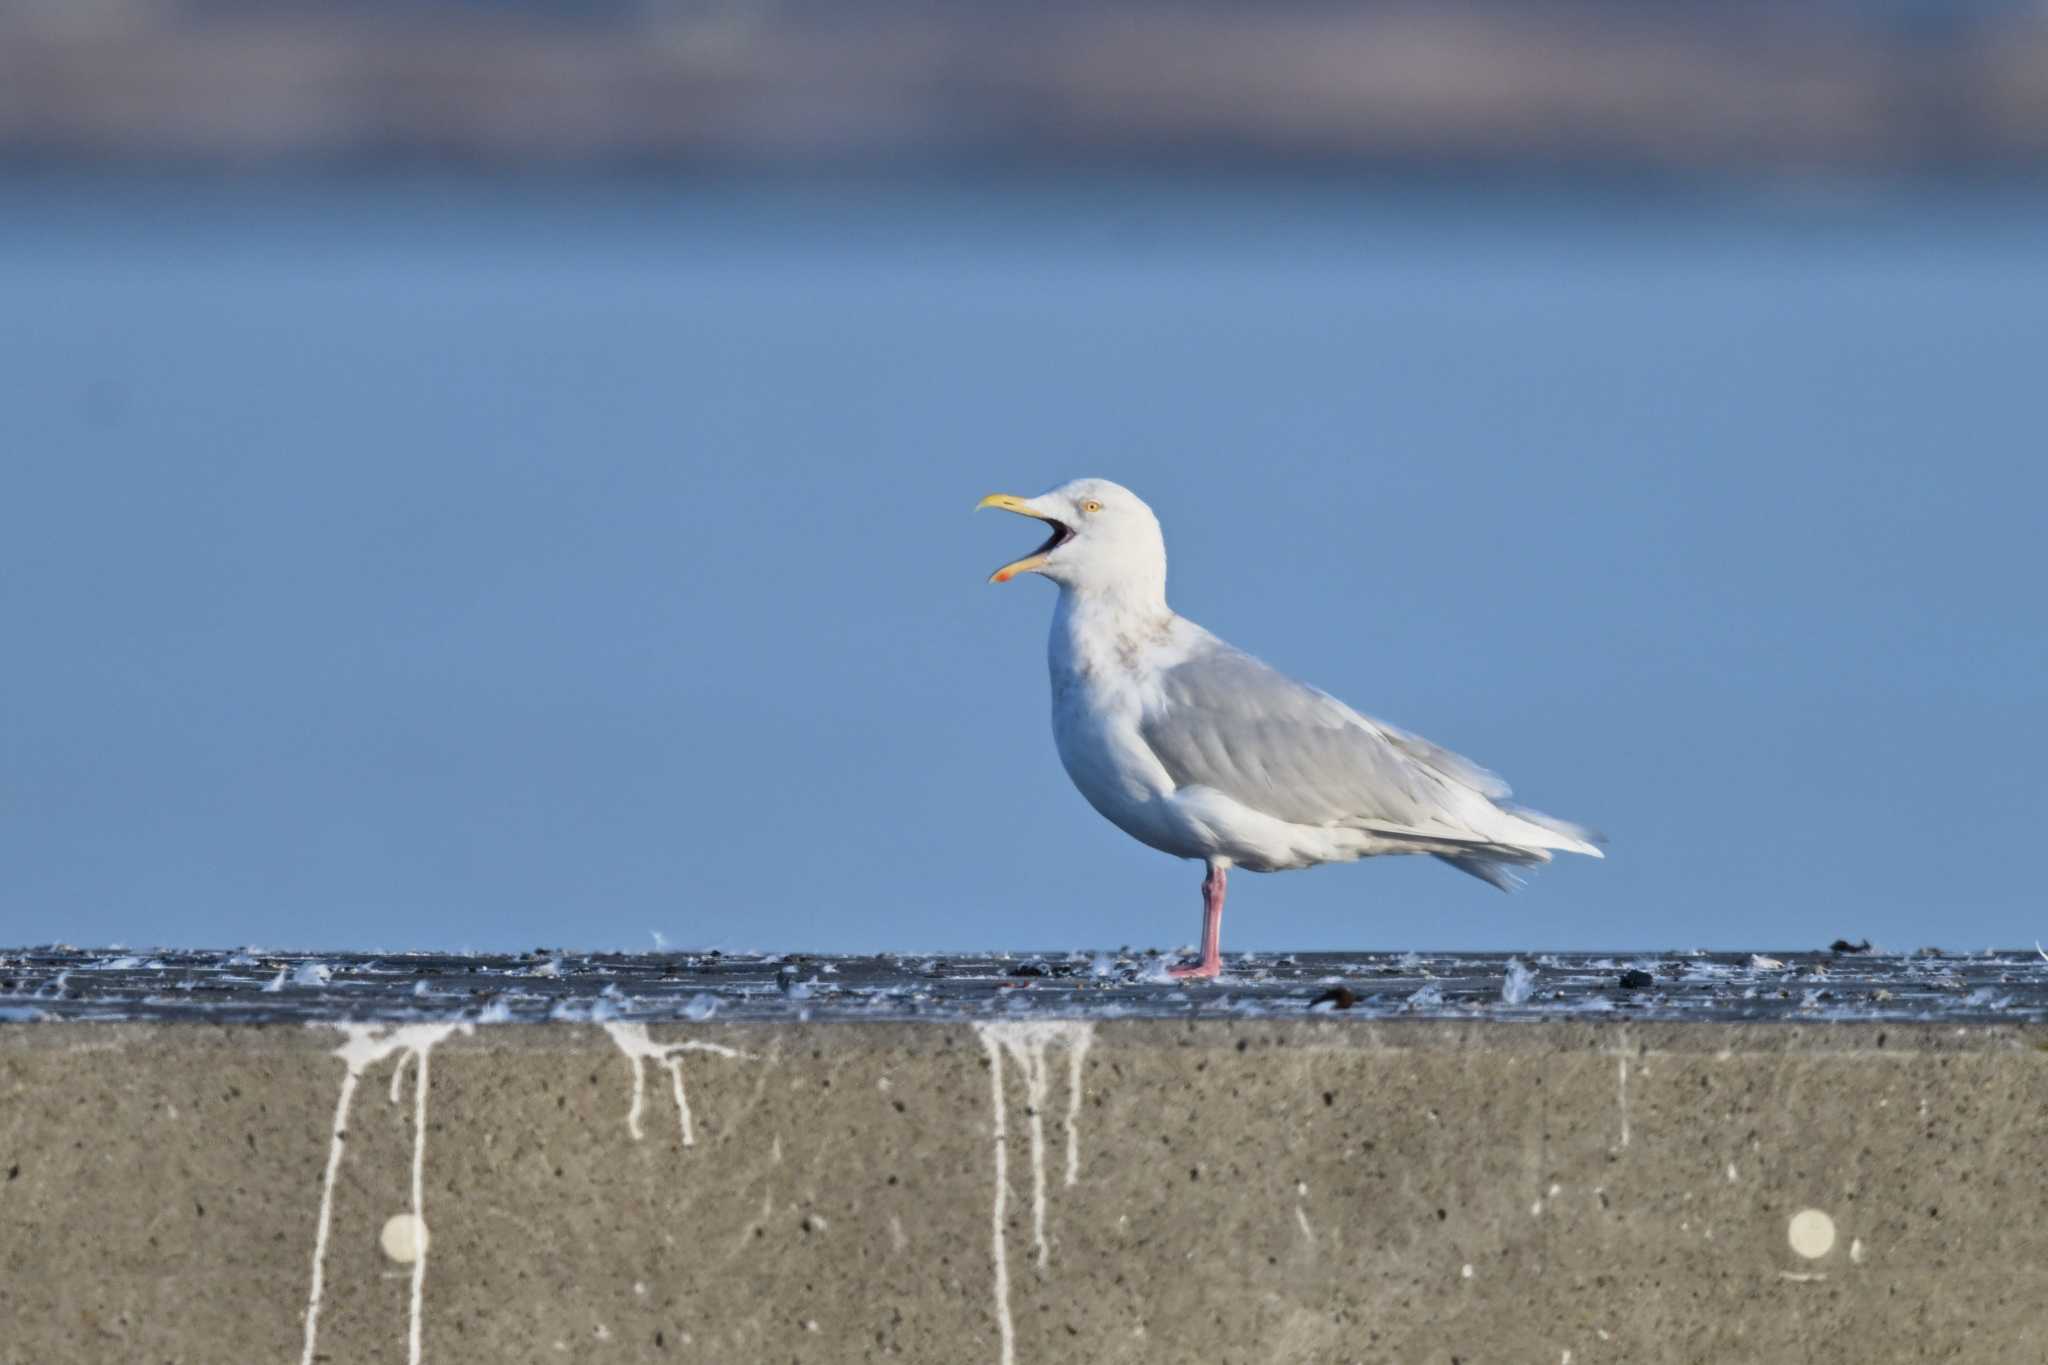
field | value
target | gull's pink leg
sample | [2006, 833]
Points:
[1211, 961]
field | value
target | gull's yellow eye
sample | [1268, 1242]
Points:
[1091, 506]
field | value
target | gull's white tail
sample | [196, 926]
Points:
[1496, 863]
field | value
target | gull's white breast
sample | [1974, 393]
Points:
[1106, 666]
[1098, 699]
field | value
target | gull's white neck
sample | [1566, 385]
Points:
[1102, 633]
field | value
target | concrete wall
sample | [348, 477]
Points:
[1563, 1193]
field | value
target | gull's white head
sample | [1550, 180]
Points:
[1104, 539]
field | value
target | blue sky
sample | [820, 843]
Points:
[384, 567]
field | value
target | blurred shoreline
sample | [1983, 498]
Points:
[1674, 88]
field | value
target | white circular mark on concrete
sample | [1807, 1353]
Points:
[1811, 1233]
[404, 1238]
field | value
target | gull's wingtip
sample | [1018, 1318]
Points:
[1575, 838]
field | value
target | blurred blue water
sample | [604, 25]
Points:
[401, 563]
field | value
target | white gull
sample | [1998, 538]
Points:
[1199, 750]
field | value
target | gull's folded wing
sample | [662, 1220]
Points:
[1224, 720]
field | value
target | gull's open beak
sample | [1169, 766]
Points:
[1034, 561]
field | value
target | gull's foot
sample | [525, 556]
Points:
[1196, 971]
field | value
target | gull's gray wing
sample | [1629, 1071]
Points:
[1227, 721]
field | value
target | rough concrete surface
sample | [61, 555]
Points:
[1573, 1192]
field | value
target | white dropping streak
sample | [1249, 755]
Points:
[419, 1182]
[1078, 1044]
[1026, 1042]
[341, 1104]
[632, 1040]
[999, 1253]
[1031, 1061]
[1624, 1099]
[366, 1045]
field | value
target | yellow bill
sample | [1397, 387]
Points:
[1034, 561]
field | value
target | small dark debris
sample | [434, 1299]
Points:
[1337, 997]
[1636, 979]
[14, 1170]
[1842, 945]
